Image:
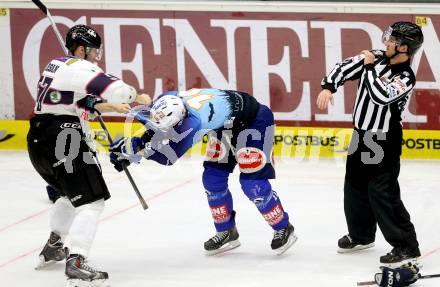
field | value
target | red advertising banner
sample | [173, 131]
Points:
[280, 58]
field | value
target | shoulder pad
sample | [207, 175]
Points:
[71, 61]
[86, 65]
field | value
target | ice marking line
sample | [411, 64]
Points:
[148, 199]
[25, 219]
[32, 216]
[20, 257]
[172, 188]
[430, 253]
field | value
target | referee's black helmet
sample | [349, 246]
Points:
[407, 33]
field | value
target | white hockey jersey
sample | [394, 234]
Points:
[67, 80]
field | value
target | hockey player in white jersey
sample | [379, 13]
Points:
[70, 92]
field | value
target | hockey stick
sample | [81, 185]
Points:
[366, 283]
[429, 276]
[46, 12]
[124, 166]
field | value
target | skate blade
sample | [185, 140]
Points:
[85, 283]
[356, 248]
[228, 246]
[44, 264]
[292, 239]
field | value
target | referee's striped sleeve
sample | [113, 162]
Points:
[349, 69]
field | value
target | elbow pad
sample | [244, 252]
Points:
[119, 93]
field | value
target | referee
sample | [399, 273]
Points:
[371, 188]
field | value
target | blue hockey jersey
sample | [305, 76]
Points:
[207, 109]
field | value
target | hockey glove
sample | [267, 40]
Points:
[88, 103]
[397, 277]
[116, 159]
[124, 152]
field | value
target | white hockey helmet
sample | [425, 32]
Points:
[167, 111]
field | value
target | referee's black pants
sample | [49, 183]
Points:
[372, 193]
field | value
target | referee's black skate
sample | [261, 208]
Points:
[222, 241]
[283, 239]
[80, 274]
[347, 245]
[52, 252]
[399, 256]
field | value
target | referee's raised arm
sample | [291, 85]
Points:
[349, 69]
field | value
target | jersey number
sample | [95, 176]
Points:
[196, 101]
[43, 87]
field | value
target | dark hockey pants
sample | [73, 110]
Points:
[372, 195]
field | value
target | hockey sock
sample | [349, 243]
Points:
[83, 229]
[219, 197]
[62, 216]
[260, 192]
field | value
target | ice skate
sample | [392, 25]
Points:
[52, 252]
[347, 245]
[80, 274]
[222, 242]
[398, 257]
[283, 239]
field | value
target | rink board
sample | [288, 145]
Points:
[289, 141]
[278, 51]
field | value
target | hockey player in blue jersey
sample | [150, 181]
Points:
[240, 131]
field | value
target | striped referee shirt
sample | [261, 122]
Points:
[383, 90]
